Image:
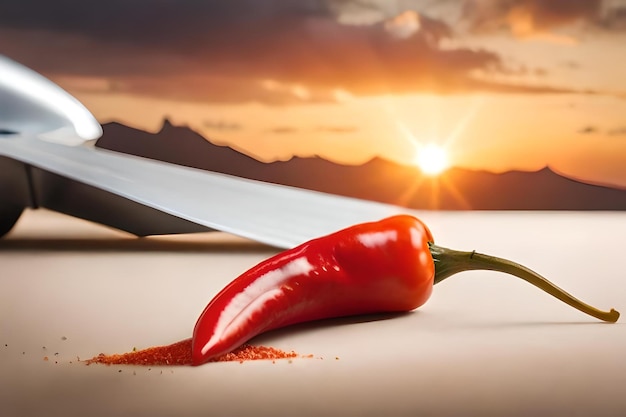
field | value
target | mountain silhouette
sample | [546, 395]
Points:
[378, 179]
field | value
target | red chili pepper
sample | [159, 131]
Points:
[385, 266]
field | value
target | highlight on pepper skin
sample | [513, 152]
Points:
[251, 300]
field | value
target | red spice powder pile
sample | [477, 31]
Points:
[180, 354]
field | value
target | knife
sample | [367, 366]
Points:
[46, 162]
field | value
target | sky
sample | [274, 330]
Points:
[500, 85]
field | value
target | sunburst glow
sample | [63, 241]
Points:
[432, 159]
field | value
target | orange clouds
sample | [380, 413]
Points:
[530, 18]
[271, 52]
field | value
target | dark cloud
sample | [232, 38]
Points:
[281, 130]
[174, 32]
[588, 129]
[613, 19]
[618, 131]
[228, 50]
[148, 21]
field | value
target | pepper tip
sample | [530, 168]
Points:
[613, 315]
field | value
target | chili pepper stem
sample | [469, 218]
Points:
[449, 262]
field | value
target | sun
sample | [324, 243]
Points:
[432, 159]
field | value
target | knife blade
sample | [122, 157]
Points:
[274, 214]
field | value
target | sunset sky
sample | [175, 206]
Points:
[501, 85]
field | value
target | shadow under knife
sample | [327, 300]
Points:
[145, 244]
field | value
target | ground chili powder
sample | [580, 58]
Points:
[179, 353]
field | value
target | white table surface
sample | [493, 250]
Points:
[485, 344]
